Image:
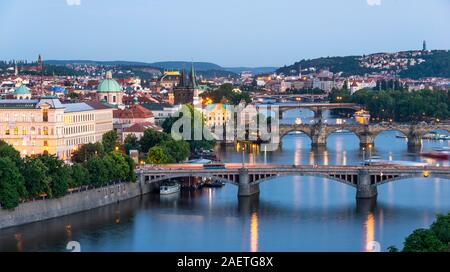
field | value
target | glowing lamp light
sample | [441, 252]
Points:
[426, 174]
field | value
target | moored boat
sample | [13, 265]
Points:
[169, 188]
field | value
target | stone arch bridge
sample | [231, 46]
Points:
[364, 178]
[366, 133]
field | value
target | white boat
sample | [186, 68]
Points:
[444, 148]
[167, 189]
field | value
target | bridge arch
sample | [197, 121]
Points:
[327, 177]
[413, 176]
[304, 130]
[229, 180]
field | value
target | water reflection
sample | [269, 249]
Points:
[216, 220]
[370, 232]
[254, 232]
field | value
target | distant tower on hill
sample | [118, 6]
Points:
[424, 47]
[40, 66]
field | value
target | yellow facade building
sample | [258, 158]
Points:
[47, 126]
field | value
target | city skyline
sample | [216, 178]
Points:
[241, 34]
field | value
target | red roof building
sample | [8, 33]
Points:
[132, 115]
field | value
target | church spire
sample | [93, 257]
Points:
[193, 82]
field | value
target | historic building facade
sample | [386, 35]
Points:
[47, 126]
[109, 91]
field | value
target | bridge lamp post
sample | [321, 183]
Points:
[243, 156]
[364, 155]
[370, 153]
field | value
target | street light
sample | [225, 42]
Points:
[243, 156]
[370, 153]
[364, 155]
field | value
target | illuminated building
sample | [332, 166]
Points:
[362, 117]
[48, 126]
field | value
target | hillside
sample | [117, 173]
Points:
[407, 64]
[170, 65]
[347, 65]
[435, 65]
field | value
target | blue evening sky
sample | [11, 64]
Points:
[227, 32]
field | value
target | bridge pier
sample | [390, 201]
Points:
[248, 205]
[364, 188]
[414, 142]
[365, 205]
[366, 141]
[246, 189]
[317, 113]
[318, 137]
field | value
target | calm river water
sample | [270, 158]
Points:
[291, 214]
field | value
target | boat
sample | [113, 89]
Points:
[440, 155]
[400, 136]
[169, 188]
[214, 184]
[444, 148]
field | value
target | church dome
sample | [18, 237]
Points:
[22, 90]
[109, 85]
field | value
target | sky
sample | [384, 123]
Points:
[227, 32]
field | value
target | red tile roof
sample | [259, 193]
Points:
[134, 111]
[141, 127]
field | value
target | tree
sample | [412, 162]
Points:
[392, 249]
[35, 173]
[74, 95]
[109, 140]
[423, 240]
[121, 167]
[441, 228]
[158, 155]
[79, 175]
[131, 175]
[11, 184]
[87, 151]
[178, 150]
[195, 117]
[151, 138]
[59, 174]
[7, 151]
[131, 142]
[228, 92]
[98, 173]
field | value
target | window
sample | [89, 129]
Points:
[33, 130]
[114, 99]
[7, 131]
[45, 115]
[45, 130]
[24, 131]
[16, 131]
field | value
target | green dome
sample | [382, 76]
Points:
[109, 85]
[22, 90]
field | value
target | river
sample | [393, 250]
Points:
[291, 213]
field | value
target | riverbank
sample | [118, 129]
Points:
[40, 210]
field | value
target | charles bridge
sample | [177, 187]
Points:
[319, 133]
